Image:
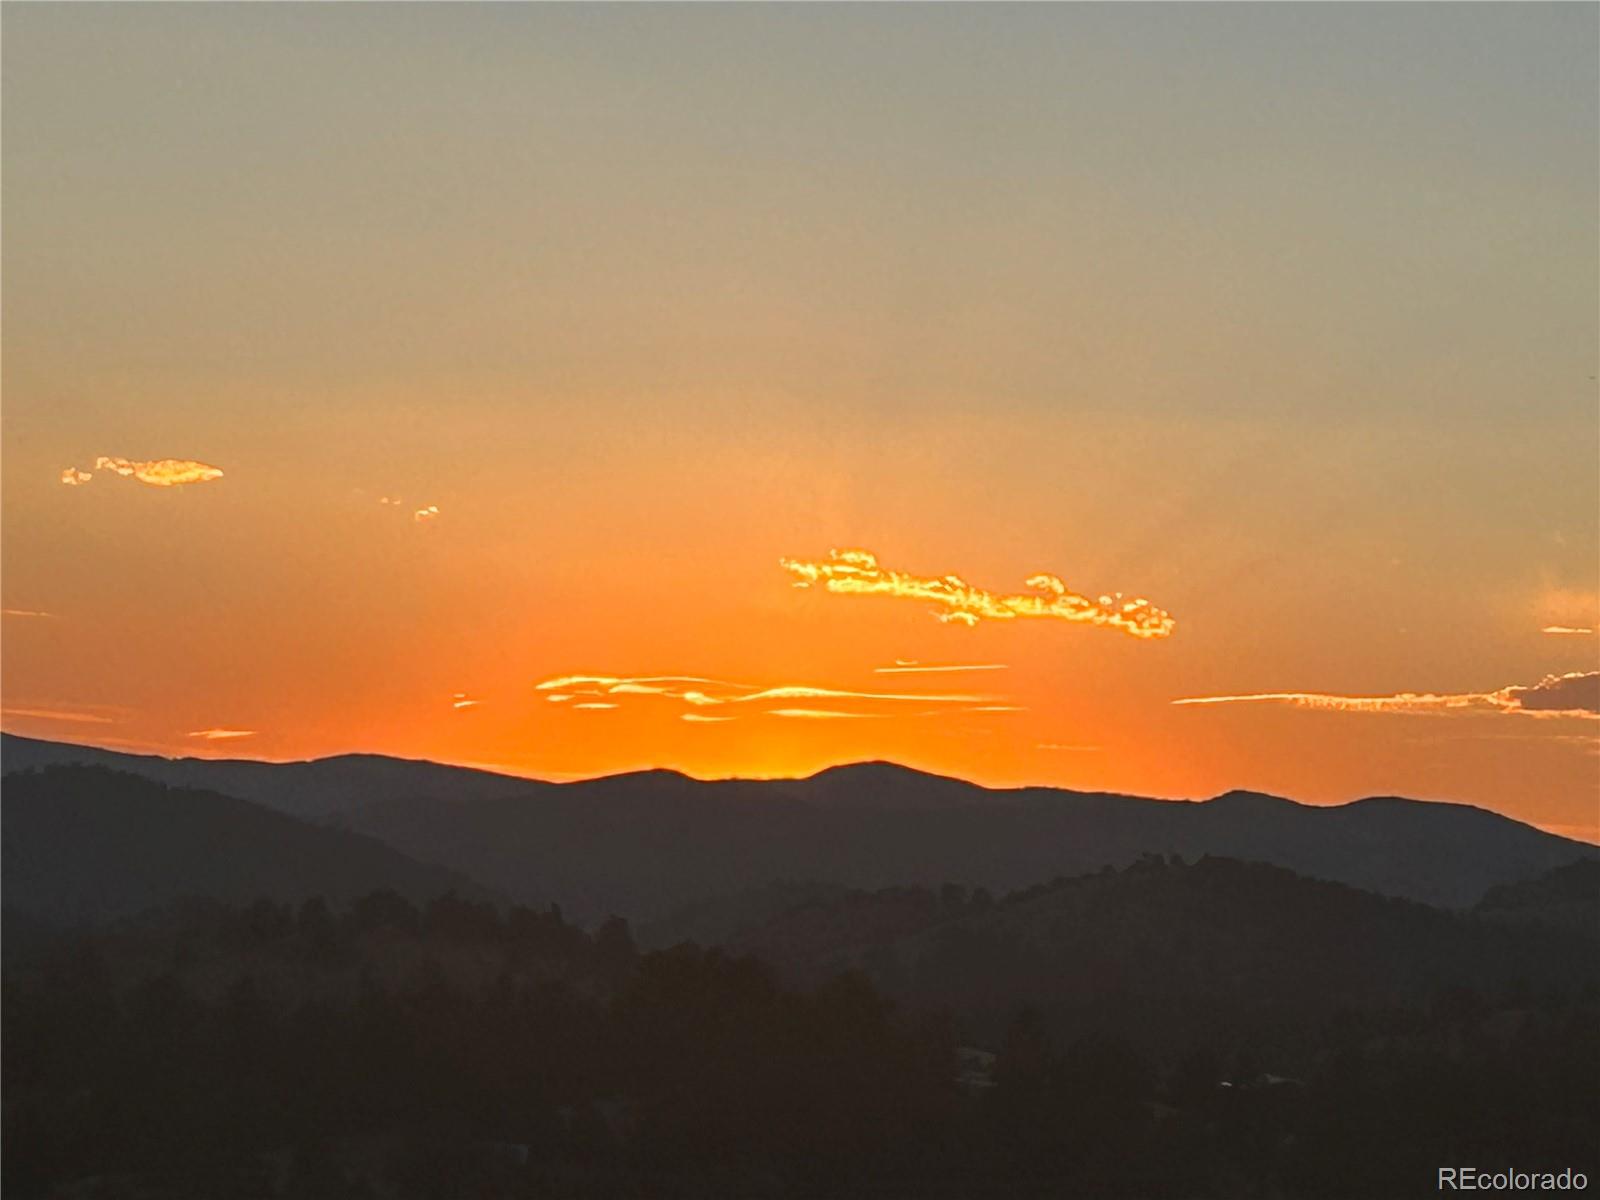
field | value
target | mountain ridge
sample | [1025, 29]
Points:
[647, 844]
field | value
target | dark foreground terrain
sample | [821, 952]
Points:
[1214, 1029]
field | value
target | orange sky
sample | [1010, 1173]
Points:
[529, 343]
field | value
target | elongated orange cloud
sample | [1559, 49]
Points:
[819, 714]
[222, 735]
[57, 714]
[1568, 630]
[162, 472]
[858, 573]
[726, 700]
[1576, 694]
[910, 668]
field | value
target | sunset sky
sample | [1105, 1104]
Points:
[570, 390]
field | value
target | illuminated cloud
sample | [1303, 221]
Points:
[818, 714]
[703, 719]
[912, 668]
[858, 573]
[792, 692]
[697, 694]
[222, 735]
[462, 700]
[28, 612]
[1567, 629]
[1576, 694]
[425, 514]
[71, 716]
[161, 472]
[390, 500]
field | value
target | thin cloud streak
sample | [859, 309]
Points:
[858, 572]
[28, 612]
[915, 669]
[700, 693]
[222, 735]
[1576, 694]
[1568, 630]
[57, 714]
[821, 714]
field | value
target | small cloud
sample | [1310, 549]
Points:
[703, 719]
[425, 514]
[1576, 694]
[390, 500]
[558, 698]
[462, 700]
[1567, 630]
[595, 704]
[1066, 749]
[161, 472]
[28, 612]
[912, 668]
[222, 735]
[858, 572]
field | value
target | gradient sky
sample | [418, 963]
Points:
[1283, 318]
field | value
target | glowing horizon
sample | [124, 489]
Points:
[533, 358]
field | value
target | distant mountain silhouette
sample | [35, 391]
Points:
[1167, 953]
[648, 843]
[84, 844]
[1568, 895]
[316, 790]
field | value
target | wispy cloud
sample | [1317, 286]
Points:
[1065, 748]
[1567, 630]
[222, 735]
[858, 573]
[593, 704]
[706, 699]
[423, 515]
[28, 612]
[819, 714]
[161, 472]
[1576, 694]
[703, 718]
[70, 716]
[462, 700]
[913, 668]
